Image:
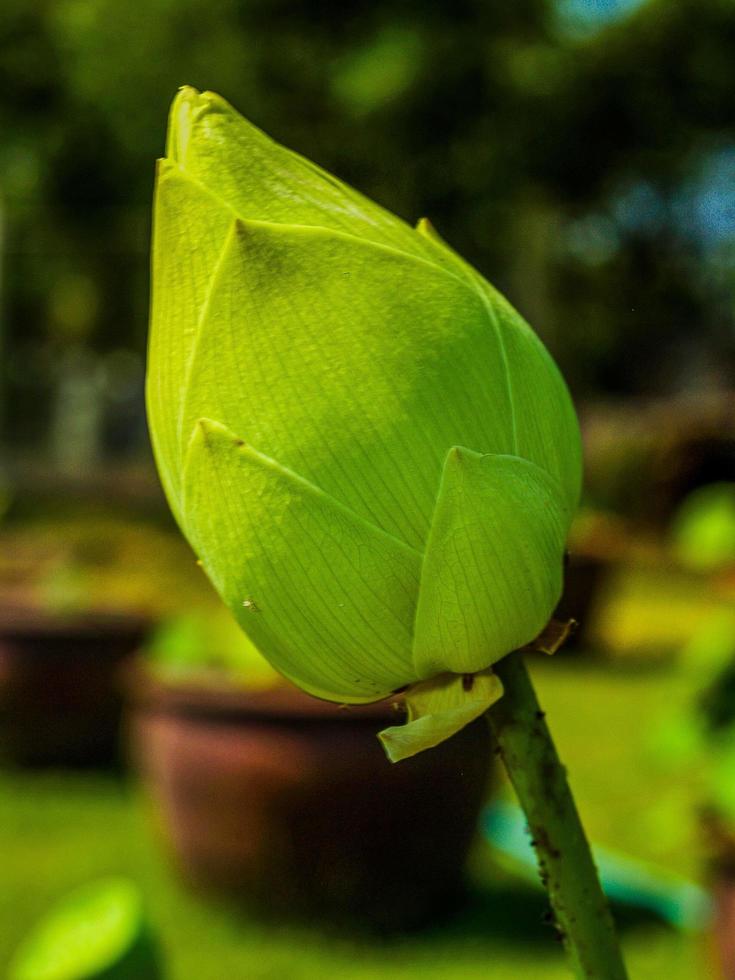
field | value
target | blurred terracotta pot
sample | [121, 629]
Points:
[289, 803]
[59, 696]
[723, 896]
[719, 840]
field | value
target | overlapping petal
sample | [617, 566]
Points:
[492, 571]
[328, 597]
[190, 228]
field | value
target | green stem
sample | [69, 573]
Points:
[565, 861]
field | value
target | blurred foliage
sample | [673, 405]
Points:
[100, 565]
[697, 735]
[583, 162]
[703, 533]
[657, 608]
[97, 931]
[205, 643]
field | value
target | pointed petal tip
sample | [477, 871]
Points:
[242, 229]
[209, 432]
[205, 426]
[179, 124]
[191, 99]
[213, 100]
[188, 106]
[165, 167]
[186, 93]
[457, 453]
[426, 228]
[460, 455]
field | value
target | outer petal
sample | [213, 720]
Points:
[545, 424]
[437, 709]
[325, 596]
[547, 431]
[260, 179]
[492, 571]
[353, 365]
[190, 228]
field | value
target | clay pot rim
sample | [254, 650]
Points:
[208, 696]
[18, 620]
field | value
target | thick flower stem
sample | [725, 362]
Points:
[565, 862]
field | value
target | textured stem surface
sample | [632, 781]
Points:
[565, 861]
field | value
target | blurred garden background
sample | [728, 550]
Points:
[581, 153]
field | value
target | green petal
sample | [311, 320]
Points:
[311, 351]
[325, 596]
[544, 421]
[260, 179]
[492, 571]
[190, 228]
[439, 708]
[546, 427]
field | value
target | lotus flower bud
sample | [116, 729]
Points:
[374, 457]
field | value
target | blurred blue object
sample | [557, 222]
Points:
[676, 901]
